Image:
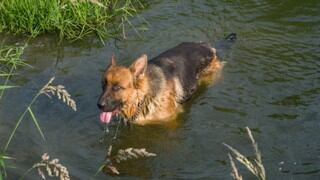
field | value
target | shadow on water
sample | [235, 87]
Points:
[271, 84]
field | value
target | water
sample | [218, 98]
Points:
[271, 84]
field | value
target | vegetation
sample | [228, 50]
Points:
[51, 168]
[255, 166]
[121, 156]
[10, 61]
[64, 95]
[60, 92]
[71, 19]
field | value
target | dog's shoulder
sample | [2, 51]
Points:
[184, 62]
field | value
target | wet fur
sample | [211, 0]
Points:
[168, 80]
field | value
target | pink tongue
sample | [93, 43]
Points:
[105, 117]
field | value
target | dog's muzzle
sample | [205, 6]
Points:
[109, 108]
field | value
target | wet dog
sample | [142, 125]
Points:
[152, 91]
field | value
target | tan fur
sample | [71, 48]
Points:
[212, 72]
[165, 105]
[178, 89]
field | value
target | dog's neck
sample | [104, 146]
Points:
[138, 101]
[143, 96]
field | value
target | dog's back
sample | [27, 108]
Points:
[185, 62]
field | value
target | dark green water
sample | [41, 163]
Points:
[271, 84]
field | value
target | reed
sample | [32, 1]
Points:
[51, 167]
[121, 156]
[255, 166]
[58, 91]
[234, 170]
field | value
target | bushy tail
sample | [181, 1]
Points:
[225, 44]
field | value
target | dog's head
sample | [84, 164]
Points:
[119, 85]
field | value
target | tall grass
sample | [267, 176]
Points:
[64, 95]
[71, 19]
[255, 166]
[121, 156]
[51, 168]
[10, 61]
[58, 91]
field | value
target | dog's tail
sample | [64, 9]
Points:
[225, 44]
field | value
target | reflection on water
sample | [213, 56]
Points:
[270, 83]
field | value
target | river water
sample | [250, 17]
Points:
[271, 83]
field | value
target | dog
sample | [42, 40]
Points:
[153, 91]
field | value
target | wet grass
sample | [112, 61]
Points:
[71, 19]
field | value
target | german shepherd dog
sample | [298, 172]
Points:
[149, 92]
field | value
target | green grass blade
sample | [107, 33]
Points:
[14, 130]
[36, 123]
[7, 74]
[2, 164]
[2, 87]
[2, 167]
[22, 117]
[100, 169]
[5, 157]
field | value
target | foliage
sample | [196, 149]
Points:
[71, 19]
[10, 60]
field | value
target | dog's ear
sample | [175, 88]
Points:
[139, 66]
[113, 60]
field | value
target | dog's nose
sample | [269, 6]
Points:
[100, 104]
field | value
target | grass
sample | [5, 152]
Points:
[10, 61]
[47, 89]
[3, 166]
[51, 168]
[64, 95]
[255, 166]
[71, 19]
[121, 156]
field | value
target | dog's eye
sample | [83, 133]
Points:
[116, 88]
